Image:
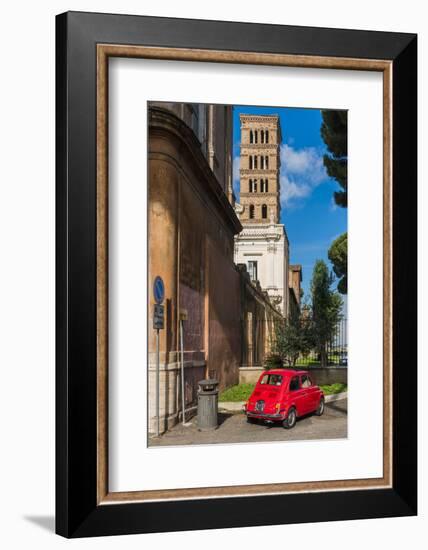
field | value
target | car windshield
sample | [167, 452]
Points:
[271, 380]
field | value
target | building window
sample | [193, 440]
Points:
[267, 136]
[267, 162]
[252, 270]
[251, 211]
[255, 162]
[250, 158]
[255, 186]
[255, 136]
[251, 136]
[251, 186]
[262, 162]
[266, 186]
[262, 136]
[264, 211]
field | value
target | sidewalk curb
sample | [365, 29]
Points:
[236, 406]
[336, 397]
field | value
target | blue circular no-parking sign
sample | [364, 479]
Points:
[158, 290]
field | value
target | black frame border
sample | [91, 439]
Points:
[77, 513]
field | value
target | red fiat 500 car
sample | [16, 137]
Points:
[282, 395]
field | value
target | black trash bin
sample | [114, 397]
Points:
[207, 405]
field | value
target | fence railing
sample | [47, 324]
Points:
[336, 349]
[260, 343]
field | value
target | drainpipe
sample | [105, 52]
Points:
[183, 317]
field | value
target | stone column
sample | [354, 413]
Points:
[249, 339]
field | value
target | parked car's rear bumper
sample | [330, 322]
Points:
[265, 416]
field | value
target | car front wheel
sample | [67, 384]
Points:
[291, 419]
[321, 407]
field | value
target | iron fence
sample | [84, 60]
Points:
[336, 349]
[259, 343]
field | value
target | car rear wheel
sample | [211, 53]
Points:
[291, 419]
[321, 407]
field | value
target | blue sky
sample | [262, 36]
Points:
[311, 218]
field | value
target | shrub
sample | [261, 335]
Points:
[273, 361]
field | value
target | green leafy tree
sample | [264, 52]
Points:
[334, 132]
[338, 256]
[293, 337]
[326, 308]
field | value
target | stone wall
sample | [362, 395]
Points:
[258, 319]
[321, 376]
[329, 375]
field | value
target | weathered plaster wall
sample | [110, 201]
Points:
[191, 231]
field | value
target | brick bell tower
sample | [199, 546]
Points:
[259, 169]
[262, 246]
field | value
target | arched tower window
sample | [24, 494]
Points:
[255, 162]
[262, 162]
[250, 159]
[267, 136]
[267, 162]
[251, 186]
[255, 136]
[251, 136]
[266, 186]
[251, 211]
[262, 136]
[255, 186]
[264, 211]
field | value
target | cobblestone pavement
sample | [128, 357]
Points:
[234, 428]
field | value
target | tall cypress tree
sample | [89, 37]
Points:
[334, 132]
[326, 307]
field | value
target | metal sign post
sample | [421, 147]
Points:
[183, 317]
[183, 400]
[157, 384]
[158, 324]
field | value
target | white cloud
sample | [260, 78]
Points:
[301, 171]
[235, 168]
[292, 190]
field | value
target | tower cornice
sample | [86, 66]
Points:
[259, 146]
[259, 118]
[258, 172]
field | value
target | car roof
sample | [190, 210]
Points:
[286, 372]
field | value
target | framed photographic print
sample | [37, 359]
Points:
[236, 274]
